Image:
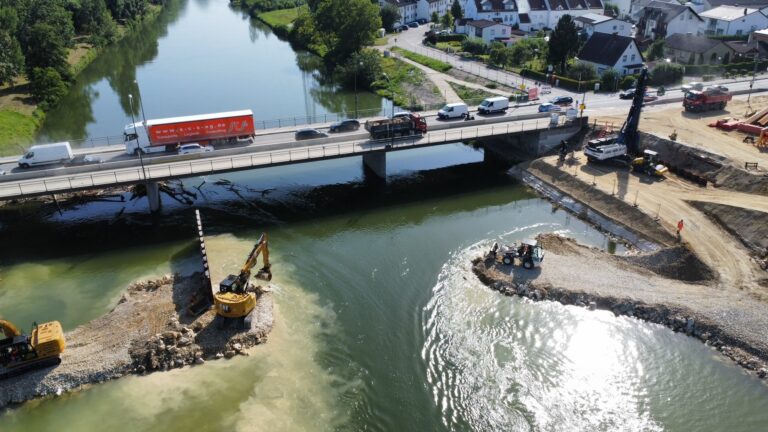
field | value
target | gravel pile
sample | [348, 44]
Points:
[145, 332]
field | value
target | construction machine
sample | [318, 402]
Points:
[237, 296]
[649, 164]
[20, 353]
[625, 147]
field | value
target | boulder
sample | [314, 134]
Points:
[184, 341]
[229, 354]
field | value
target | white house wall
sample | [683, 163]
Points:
[685, 23]
[622, 28]
[741, 26]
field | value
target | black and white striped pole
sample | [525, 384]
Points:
[204, 253]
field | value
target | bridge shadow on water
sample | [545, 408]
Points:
[41, 229]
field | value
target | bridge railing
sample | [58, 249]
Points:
[313, 151]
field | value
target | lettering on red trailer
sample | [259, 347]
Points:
[202, 130]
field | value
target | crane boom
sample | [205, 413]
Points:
[628, 135]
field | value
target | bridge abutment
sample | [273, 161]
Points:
[527, 145]
[375, 165]
[153, 196]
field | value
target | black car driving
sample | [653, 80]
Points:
[345, 126]
[304, 134]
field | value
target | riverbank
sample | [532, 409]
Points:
[148, 330]
[730, 323]
[20, 116]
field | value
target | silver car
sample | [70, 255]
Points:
[194, 148]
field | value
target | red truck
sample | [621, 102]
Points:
[401, 125]
[166, 134]
[711, 98]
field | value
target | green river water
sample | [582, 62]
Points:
[379, 323]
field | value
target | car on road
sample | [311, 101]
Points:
[401, 114]
[562, 100]
[401, 27]
[692, 86]
[413, 24]
[545, 89]
[719, 87]
[649, 97]
[549, 107]
[194, 148]
[422, 21]
[453, 110]
[627, 94]
[344, 126]
[308, 133]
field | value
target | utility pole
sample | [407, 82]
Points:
[138, 146]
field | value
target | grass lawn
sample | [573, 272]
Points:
[424, 60]
[16, 130]
[402, 77]
[381, 41]
[470, 95]
[281, 17]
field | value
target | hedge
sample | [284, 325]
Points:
[451, 38]
[565, 82]
[720, 68]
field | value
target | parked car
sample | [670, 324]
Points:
[692, 86]
[305, 134]
[401, 27]
[453, 110]
[649, 97]
[444, 32]
[493, 105]
[413, 24]
[45, 154]
[194, 148]
[562, 100]
[545, 89]
[549, 107]
[627, 94]
[422, 21]
[721, 88]
[345, 126]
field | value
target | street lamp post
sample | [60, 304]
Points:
[357, 69]
[389, 125]
[141, 102]
[752, 83]
[135, 132]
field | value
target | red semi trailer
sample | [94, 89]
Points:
[166, 134]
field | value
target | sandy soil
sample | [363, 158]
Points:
[692, 128]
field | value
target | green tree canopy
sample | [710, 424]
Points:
[11, 58]
[609, 81]
[390, 14]
[655, 51]
[345, 26]
[45, 49]
[563, 42]
[581, 71]
[92, 17]
[435, 18]
[447, 20]
[47, 87]
[456, 10]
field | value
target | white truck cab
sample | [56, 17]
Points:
[453, 110]
[135, 136]
[493, 105]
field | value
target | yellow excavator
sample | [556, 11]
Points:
[20, 353]
[237, 296]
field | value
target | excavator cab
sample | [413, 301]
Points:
[236, 297]
[20, 353]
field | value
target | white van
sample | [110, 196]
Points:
[46, 154]
[453, 110]
[493, 105]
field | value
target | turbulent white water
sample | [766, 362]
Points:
[503, 363]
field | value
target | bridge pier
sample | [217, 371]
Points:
[528, 144]
[375, 165]
[153, 196]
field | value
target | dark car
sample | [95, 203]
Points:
[422, 21]
[345, 126]
[413, 24]
[304, 134]
[562, 100]
[401, 27]
[627, 94]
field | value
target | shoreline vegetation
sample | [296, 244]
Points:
[23, 105]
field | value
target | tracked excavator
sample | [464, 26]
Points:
[236, 297]
[20, 353]
[625, 147]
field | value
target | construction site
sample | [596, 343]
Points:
[689, 198]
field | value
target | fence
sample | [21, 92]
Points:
[316, 151]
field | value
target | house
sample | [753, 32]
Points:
[574, 8]
[762, 5]
[407, 8]
[660, 19]
[537, 14]
[503, 11]
[591, 23]
[425, 8]
[488, 31]
[733, 20]
[692, 49]
[744, 51]
[609, 51]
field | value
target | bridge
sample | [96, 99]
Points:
[269, 152]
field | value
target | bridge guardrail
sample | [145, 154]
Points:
[313, 151]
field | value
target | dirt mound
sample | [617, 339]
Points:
[558, 244]
[676, 262]
[749, 226]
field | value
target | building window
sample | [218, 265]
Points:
[738, 32]
[624, 59]
[633, 57]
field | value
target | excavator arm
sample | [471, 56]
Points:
[239, 283]
[9, 330]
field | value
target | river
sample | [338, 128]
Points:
[380, 324]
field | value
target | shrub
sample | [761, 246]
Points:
[47, 87]
[706, 78]
[583, 71]
[451, 38]
[666, 73]
[627, 82]
[609, 80]
[473, 46]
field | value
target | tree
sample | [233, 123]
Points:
[611, 9]
[435, 18]
[390, 14]
[581, 71]
[92, 17]
[11, 58]
[666, 73]
[655, 51]
[563, 42]
[609, 80]
[46, 50]
[49, 12]
[126, 9]
[345, 26]
[473, 46]
[362, 68]
[447, 20]
[500, 55]
[456, 10]
[47, 87]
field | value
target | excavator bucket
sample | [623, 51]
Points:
[264, 274]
